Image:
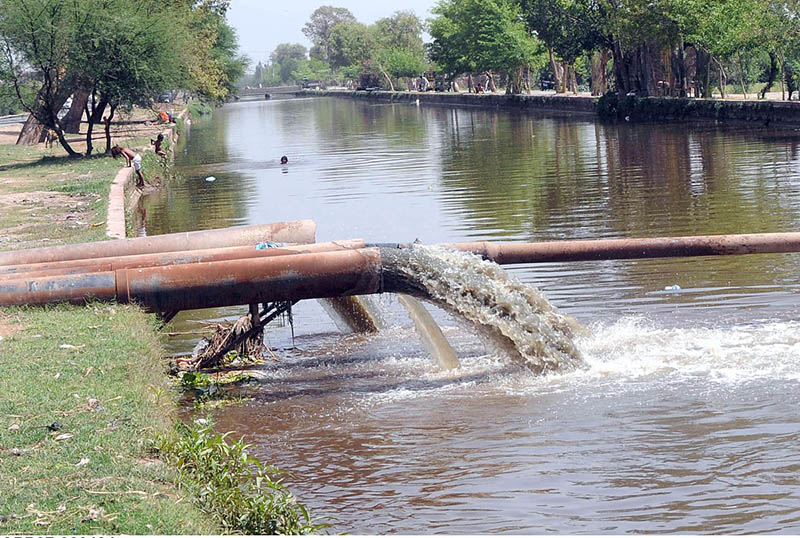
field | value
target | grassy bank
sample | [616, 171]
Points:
[88, 436]
[52, 199]
[82, 389]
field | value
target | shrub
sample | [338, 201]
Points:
[232, 486]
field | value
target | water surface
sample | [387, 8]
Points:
[684, 419]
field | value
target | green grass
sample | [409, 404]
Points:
[68, 201]
[97, 372]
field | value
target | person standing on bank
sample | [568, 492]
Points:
[131, 158]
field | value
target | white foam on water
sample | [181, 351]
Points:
[635, 348]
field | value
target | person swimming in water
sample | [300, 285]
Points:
[284, 160]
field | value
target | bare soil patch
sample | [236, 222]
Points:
[10, 133]
[8, 326]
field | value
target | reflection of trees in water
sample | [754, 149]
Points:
[515, 175]
[348, 124]
[191, 203]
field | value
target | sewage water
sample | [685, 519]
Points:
[684, 418]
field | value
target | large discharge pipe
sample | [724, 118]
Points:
[298, 232]
[342, 273]
[213, 284]
[619, 249]
[94, 265]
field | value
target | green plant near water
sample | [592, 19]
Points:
[232, 486]
[199, 108]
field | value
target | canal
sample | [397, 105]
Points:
[684, 419]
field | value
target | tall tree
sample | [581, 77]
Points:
[40, 35]
[132, 58]
[568, 28]
[401, 31]
[350, 43]
[287, 58]
[483, 34]
[318, 29]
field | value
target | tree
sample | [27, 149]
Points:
[483, 34]
[350, 43]
[318, 29]
[568, 28]
[38, 36]
[401, 31]
[131, 58]
[210, 64]
[121, 53]
[286, 58]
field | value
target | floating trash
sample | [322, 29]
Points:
[674, 287]
[211, 178]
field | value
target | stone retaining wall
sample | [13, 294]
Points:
[610, 106]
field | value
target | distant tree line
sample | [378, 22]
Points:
[646, 47]
[343, 48]
[110, 55]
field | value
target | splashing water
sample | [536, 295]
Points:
[516, 318]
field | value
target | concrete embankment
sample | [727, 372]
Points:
[572, 104]
[609, 107]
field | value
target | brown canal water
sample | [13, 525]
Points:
[684, 418]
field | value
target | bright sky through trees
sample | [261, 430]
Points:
[263, 24]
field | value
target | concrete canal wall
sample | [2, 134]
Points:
[574, 104]
[610, 106]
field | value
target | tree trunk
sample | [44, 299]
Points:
[108, 127]
[742, 75]
[469, 83]
[89, 131]
[99, 109]
[622, 71]
[783, 74]
[573, 80]
[388, 78]
[492, 87]
[32, 132]
[72, 120]
[773, 69]
[703, 73]
[528, 79]
[556, 73]
[723, 78]
[599, 64]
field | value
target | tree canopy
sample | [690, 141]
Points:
[124, 53]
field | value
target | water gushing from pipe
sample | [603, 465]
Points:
[515, 317]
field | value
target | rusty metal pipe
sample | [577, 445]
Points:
[210, 284]
[301, 231]
[94, 265]
[618, 249]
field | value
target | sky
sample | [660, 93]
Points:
[264, 24]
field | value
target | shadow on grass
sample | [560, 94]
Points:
[52, 160]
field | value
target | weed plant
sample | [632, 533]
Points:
[199, 108]
[232, 486]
